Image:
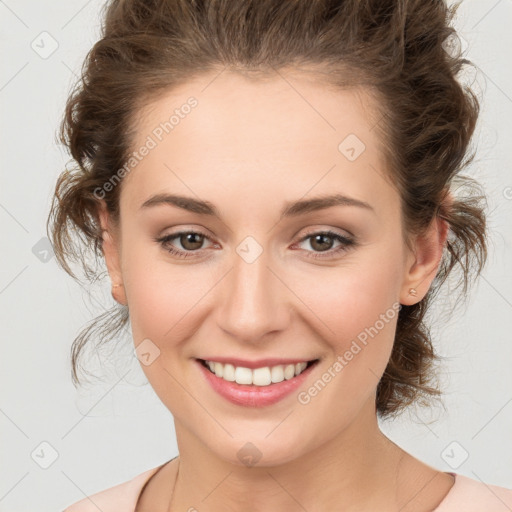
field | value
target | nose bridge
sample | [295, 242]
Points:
[253, 299]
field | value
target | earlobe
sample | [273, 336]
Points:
[426, 260]
[111, 254]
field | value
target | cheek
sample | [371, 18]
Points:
[356, 314]
[161, 298]
[153, 289]
[168, 302]
[356, 309]
[166, 308]
[355, 295]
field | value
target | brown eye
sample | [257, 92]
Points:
[321, 242]
[191, 241]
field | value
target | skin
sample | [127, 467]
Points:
[248, 147]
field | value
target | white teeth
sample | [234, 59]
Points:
[289, 371]
[277, 374]
[243, 375]
[229, 373]
[219, 370]
[259, 376]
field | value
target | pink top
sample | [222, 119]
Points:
[466, 495]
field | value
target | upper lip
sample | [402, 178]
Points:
[256, 364]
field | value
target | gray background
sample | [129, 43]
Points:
[114, 430]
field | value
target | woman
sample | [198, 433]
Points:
[220, 145]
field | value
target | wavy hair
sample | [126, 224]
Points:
[397, 48]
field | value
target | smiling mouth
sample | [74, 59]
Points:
[263, 376]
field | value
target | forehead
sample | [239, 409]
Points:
[287, 108]
[228, 132]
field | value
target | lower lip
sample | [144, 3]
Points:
[251, 395]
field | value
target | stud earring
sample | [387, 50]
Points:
[413, 292]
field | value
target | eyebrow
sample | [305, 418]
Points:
[290, 209]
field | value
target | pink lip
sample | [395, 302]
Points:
[251, 395]
[256, 364]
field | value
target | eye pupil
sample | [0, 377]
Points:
[188, 238]
[321, 237]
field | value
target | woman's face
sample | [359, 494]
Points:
[254, 283]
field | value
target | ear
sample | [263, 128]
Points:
[111, 252]
[423, 264]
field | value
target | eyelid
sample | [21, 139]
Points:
[333, 231]
[346, 244]
[181, 232]
[311, 231]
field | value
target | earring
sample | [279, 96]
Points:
[116, 285]
[413, 292]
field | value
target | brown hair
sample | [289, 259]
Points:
[395, 48]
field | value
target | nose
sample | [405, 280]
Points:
[254, 300]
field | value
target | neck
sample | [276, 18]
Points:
[356, 468]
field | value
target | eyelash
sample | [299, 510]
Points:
[345, 241]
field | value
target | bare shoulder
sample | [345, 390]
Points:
[473, 495]
[119, 498]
